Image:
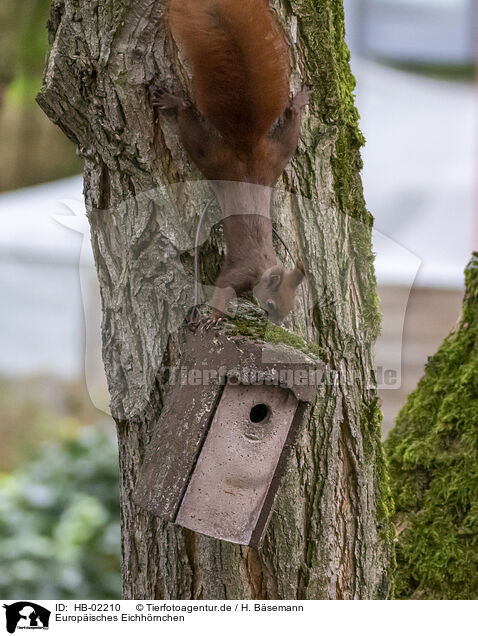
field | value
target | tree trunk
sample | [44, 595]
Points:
[433, 458]
[330, 534]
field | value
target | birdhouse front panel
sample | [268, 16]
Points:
[236, 467]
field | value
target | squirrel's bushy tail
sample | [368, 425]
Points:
[240, 64]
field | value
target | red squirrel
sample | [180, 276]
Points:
[240, 70]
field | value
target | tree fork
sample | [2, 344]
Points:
[330, 535]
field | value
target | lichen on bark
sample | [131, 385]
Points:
[433, 458]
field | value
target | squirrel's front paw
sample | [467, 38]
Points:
[214, 319]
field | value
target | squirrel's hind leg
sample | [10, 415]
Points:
[200, 145]
[160, 98]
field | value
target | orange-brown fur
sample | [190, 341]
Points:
[240, 64]
[240, 68]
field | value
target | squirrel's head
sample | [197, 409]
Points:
[275, 292]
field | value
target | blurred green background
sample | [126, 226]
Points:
[27, 136]
[59, 507]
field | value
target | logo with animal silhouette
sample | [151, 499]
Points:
[26, 615]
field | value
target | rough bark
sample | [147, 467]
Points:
[330, 535]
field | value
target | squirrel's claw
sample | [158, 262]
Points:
[195, 319]
[213, 321]
[164, 100]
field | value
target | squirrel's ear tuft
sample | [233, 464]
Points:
[298, 274]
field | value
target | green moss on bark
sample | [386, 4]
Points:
[433, 459]
[333, 100]
[250, 321]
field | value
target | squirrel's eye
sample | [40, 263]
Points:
[271, 305]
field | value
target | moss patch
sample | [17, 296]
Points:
[334, 98]
[433, 460]
[333, 102]
[251, 322]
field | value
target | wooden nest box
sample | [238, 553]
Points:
[220, 447]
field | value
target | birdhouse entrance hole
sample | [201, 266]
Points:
[259, 413]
